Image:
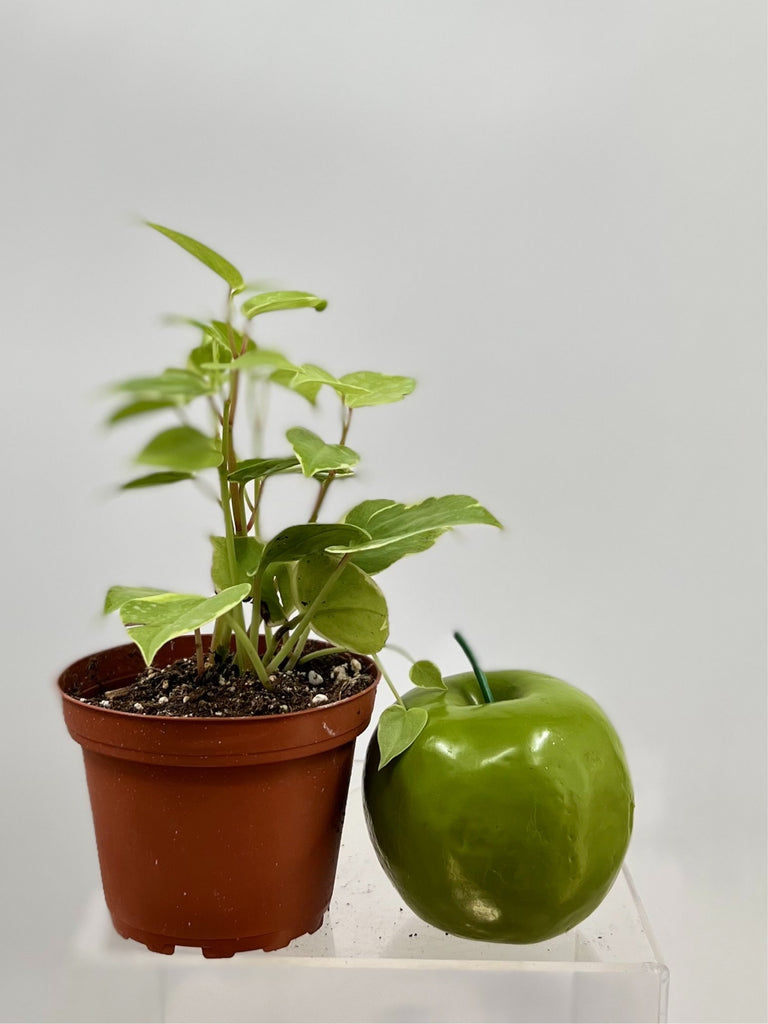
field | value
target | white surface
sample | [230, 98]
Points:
[552, 214]
[373, 959]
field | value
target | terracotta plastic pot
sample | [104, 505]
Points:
[221, 833]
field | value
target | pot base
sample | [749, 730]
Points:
[216, 949]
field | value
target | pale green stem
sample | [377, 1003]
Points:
[256, 600]
[229, 530]
[346, 420]
[377, 661]
[306, 616]
[272, 641]
[299, 648]
[322, 653]
[252, 654]
[402, 651]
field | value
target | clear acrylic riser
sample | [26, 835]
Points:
[373, 960]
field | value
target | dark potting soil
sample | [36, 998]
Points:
[222, 691]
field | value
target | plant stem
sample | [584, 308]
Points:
[379, 665]
[479, 674]
[321, 654]
[299, 648]
[229, 530]
[402, 651]
[252, 653]
[346, 420]
[199, 652]
[305, 619]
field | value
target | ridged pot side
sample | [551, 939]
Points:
[213, 832]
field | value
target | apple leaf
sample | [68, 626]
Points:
[352, 612]
[181, 448]
[316, 456]
[427, 674]
[154, 620]
[397, 729]
[208, 257]
[269, 302]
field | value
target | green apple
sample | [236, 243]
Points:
[505, 821]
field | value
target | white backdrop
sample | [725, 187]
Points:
[553, 215]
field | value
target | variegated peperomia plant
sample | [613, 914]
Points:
[311, 578]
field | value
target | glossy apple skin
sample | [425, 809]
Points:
[506, 822]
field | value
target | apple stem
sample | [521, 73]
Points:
[479, 674]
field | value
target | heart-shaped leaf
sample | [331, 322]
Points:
[260, 359]
[316, 456]
[426, 673]
[153, 621]
[306, 539]
[397, 729]
[140, 408]
[156, 479]
[269, 302]
[397, 530]
[248, 552]
[207, 256]
[181, 448]
[118, 596]
[366, 388]
[256, 469]
[172, 384]
[352, 611]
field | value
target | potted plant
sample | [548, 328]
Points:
[218, 763]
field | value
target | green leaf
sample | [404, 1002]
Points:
[366, 388]
[426, 673]
[277, 592]
[262, 358]
[352, 613]
[226, 336]
[316, 456]
[397, 530]
[201, 359]
[172, 384]
[140, 408]
[153, 621]
[207, 256]
[168, 476]
[307, 539]
[158, 609]
[181, 448]
[380, 558]
[309, 374]
[256, 469]
[286, 378]
[118, 596]
[397, 729]
[355, 389]
[248, 552]
[269, 302]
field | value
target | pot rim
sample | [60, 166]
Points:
[134, 716]
[208, 740]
